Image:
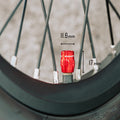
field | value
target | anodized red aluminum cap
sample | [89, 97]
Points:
[67, 61]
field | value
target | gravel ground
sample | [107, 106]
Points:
[66, 16]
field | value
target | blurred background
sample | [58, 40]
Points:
[66, 16]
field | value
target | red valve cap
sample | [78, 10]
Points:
[67, 61]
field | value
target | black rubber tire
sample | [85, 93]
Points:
[63, 100]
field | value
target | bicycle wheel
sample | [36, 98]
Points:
[61, 101]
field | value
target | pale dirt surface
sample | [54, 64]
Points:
[66, 16]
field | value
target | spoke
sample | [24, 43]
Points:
[89, 31]
[113, 7]
[50, 37]
[10, 17]
[44, 36]
[83, 35]
[21, 26]
[109, 21]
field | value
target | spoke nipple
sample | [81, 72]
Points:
[78, 74]
[95, 65]
[113, 50]
[55, 76]
[36, 73]
[13, 61]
